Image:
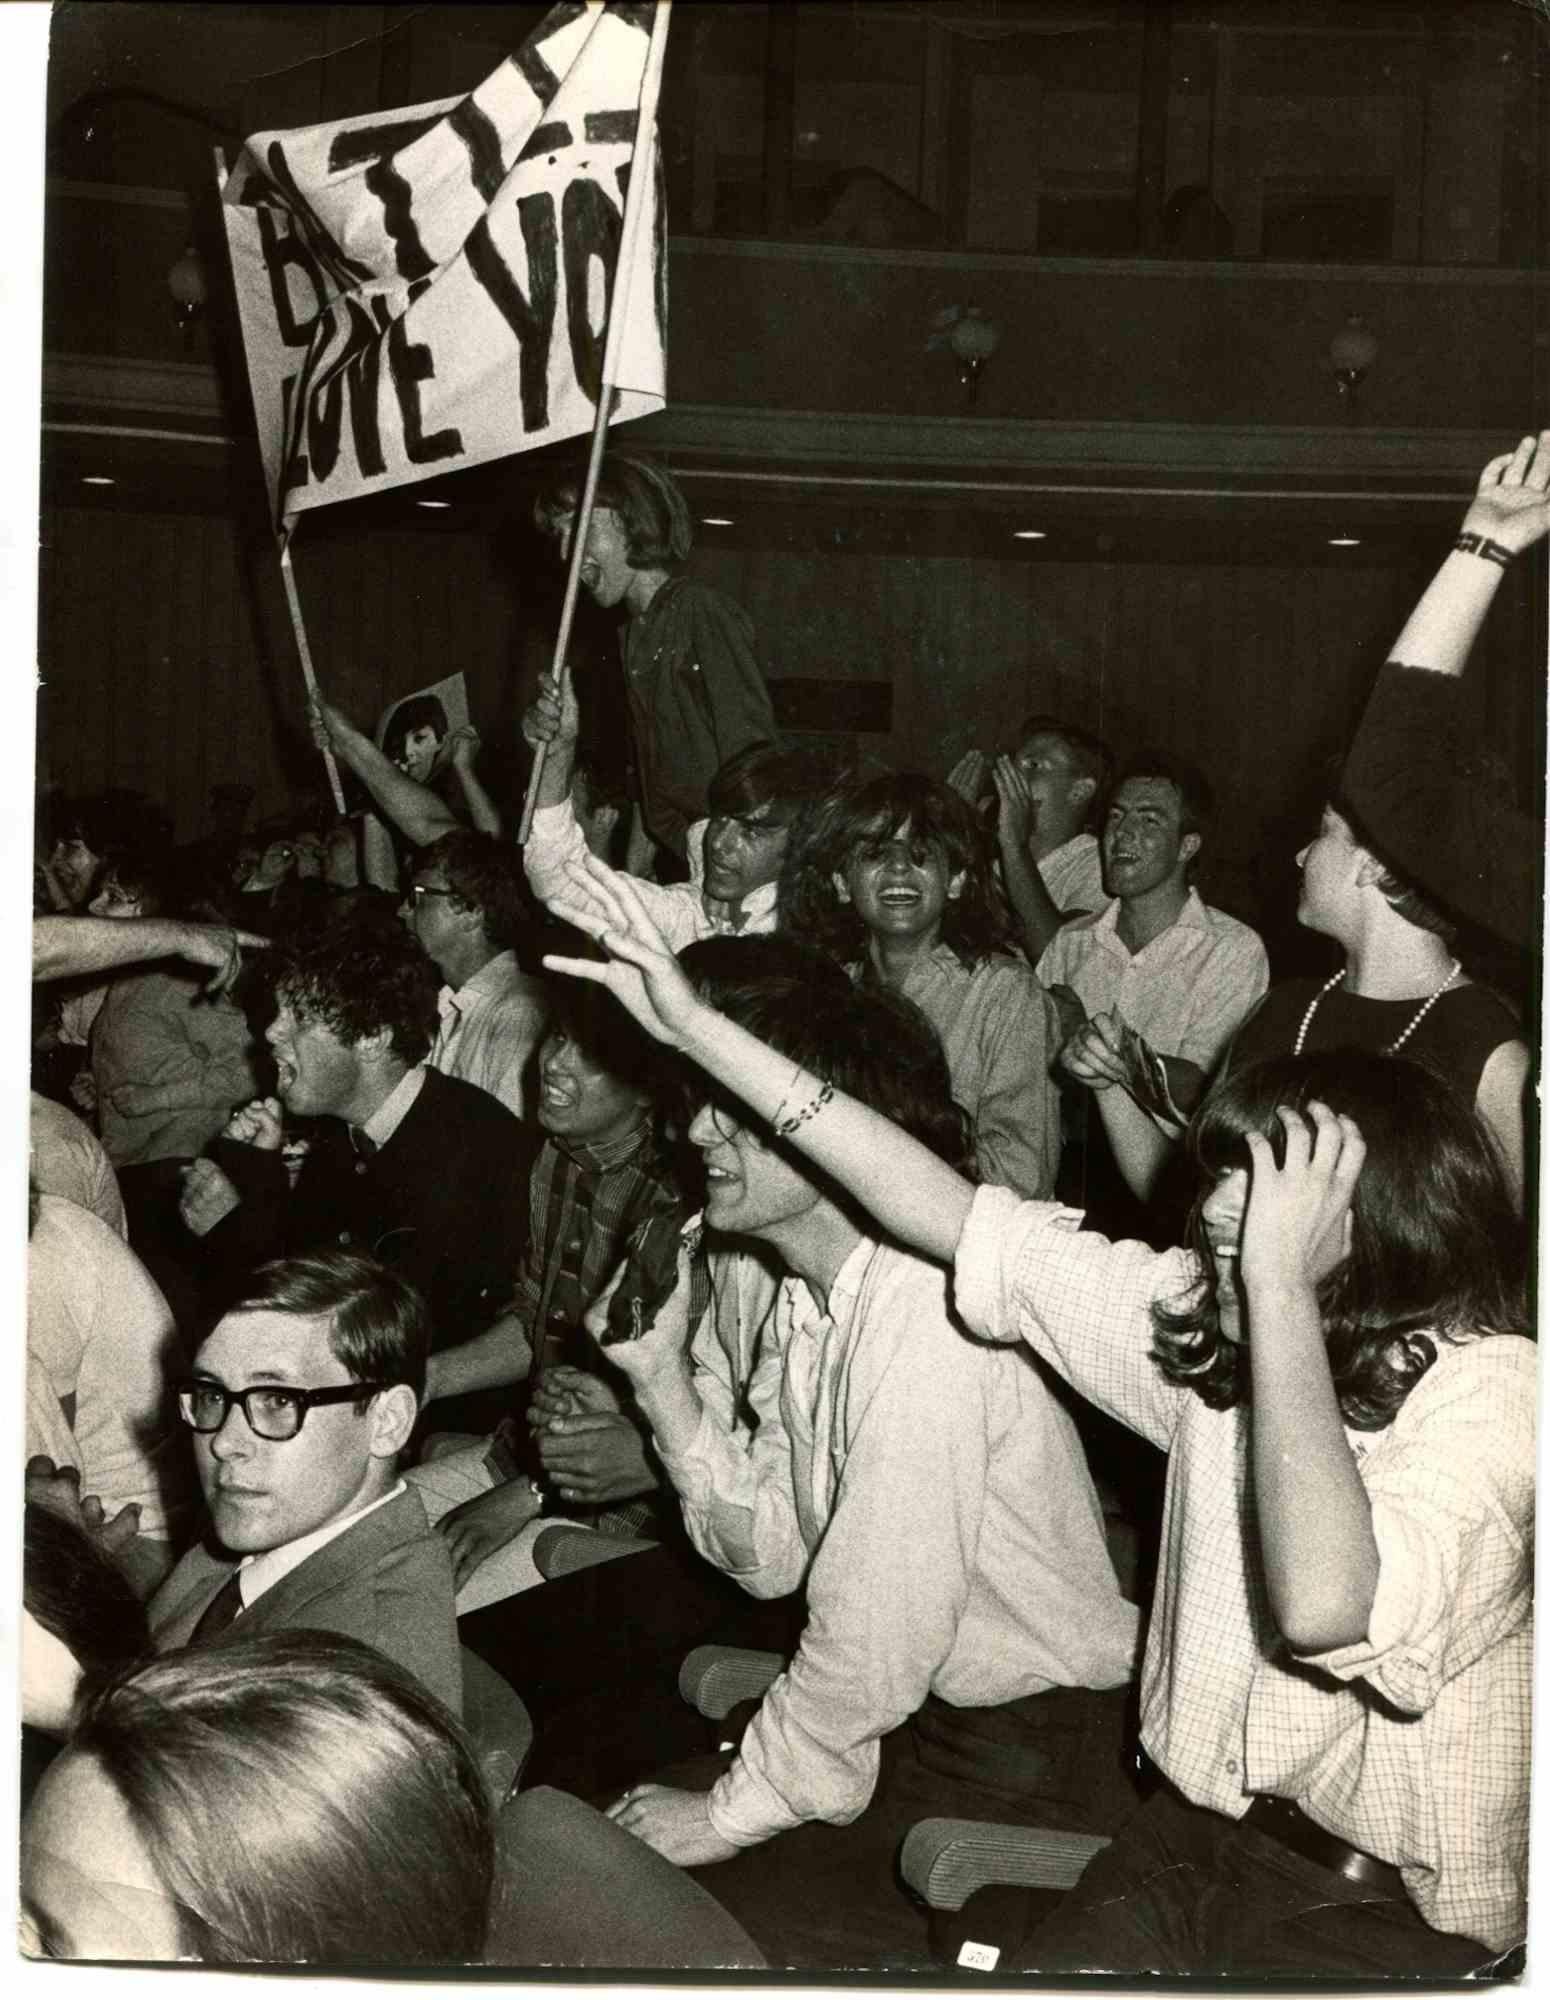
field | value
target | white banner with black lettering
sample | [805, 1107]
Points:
[427, 289]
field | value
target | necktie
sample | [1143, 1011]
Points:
[221, 1611]
[365, 1146]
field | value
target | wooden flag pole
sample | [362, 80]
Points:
[636, 207]
[288, 578]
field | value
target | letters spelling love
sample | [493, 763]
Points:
[431, 287]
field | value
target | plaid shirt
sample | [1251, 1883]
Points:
[1412, 1744]
[584, 1202]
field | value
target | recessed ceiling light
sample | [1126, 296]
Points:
[97, 479]
[1345, 541]
[1027, 534]
[433, 503]
[716, 521]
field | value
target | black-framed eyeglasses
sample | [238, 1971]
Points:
[272, 1413]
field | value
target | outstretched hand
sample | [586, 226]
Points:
[640, 971]
[220, 950]
[1512, 500]
[1297, 1226]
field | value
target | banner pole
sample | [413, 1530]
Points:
[637, 202]
[288, 578]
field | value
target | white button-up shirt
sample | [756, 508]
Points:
[1413, 1744]
[1184, 992]
[489, 1029]
[936, 1499]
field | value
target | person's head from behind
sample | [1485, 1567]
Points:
[869, 1043]
[639, 526]
[598, 1074]
[1345, 883]
[416, 730]
[1068, 772]
[355, 1006]
[466, 899]
[896, 860]
[292, 1798]
[81, 1622]
[1157, 819]
[302, 1396]
[1433, 1249]
[753, 800]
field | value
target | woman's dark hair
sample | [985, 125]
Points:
[418, 711]
[304, 1799]
[866, 1041]
[1436, 1243]
[866, 814]
[73, 1591]
[658, 532]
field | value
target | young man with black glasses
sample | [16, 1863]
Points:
[300, 1400]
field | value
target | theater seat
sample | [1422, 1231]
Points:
[496, 1717]
[562, 1549]
[945, 1861]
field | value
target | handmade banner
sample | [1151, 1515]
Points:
[427, 289]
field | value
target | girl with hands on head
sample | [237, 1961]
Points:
[1340, 1368]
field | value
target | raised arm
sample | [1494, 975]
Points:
[914, 1196]
[413, 808]
[462, 750]
[77, 947]
[1452, 834]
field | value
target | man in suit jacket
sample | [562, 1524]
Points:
[300, 1400]
[421, 1170]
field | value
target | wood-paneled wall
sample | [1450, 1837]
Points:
[167, 662]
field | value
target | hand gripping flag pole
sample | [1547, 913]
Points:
[637, 208]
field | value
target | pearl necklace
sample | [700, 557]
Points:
[1416, 1019]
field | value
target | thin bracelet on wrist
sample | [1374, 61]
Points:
[1470, 544]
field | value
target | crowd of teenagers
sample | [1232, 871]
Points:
[581, 1392]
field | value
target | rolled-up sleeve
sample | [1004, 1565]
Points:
[1027, 1270]
[1451, 1486]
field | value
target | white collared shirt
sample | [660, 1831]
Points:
[937, 1501]
[1073, 875]
[1184, 992]
[258, 1573]
[490, 1028]
[395, 1107]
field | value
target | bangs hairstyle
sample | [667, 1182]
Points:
[363, 976]
[303, 1799]
[762, 780]
[420, 711]
[872, 1044]
[378, 1325]
[1436, 1245]
[861, 816]
[658, 533]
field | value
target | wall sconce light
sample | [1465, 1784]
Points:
[186, 282]
[971, 336]
[1351, 353]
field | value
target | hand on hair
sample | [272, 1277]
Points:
[675, 1823]
[553, 716]
[641, 972]
[1512, 500]
[206, 1197]
[260, 1123]
[596, 1457]
[967, 777]
[1297, 1226]
[462, 747]
[479, 1528]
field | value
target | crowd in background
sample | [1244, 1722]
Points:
[883, 1236]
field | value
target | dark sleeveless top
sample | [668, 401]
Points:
[1457, 1037]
